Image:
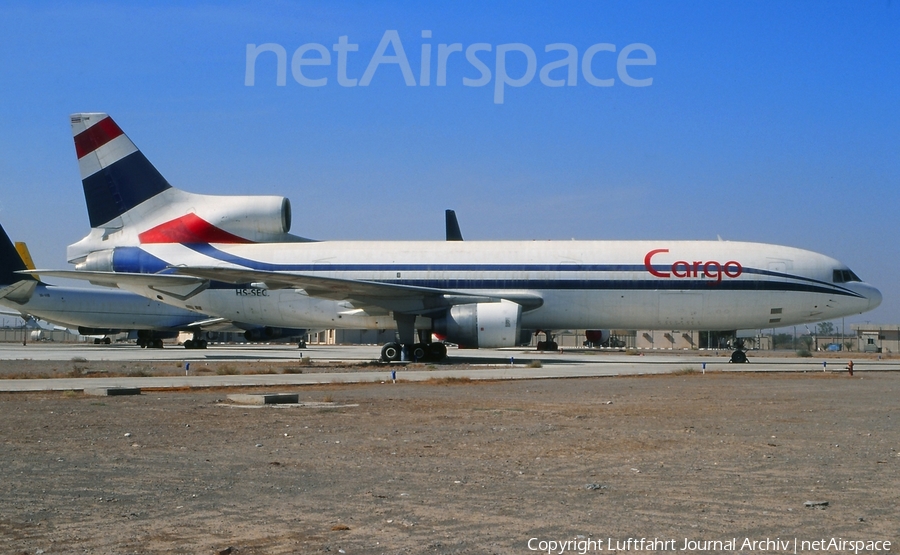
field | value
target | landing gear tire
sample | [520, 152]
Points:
[547, 346]
[391, 352]
[419, 352]
[301, 344]
[437, 351]
[157, 344]
[739, 357]
[189, 344]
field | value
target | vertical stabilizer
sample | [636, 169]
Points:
[115, 175]
[25, 255]
[14, 287]
[452, 226]
[130, 203]
[10, 262]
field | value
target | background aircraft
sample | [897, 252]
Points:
[104, 312]
[90, 311]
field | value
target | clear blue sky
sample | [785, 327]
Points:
[765, 121]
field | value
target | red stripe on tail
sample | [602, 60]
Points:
[189, 228]
[96, 136]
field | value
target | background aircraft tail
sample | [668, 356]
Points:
[452, 226]
[25, 255]
[10, 262]
[14, 287]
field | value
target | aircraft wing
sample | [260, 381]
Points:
[179, 286]
[408, 299]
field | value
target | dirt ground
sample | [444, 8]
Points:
[456, 466]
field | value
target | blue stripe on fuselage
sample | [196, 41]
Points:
[674, 284]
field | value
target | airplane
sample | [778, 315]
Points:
[91, 311]
[472, 293]
[103, 312]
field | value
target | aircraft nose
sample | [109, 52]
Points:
[874, 296]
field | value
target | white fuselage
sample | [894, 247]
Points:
[101, 309]
[699, 285]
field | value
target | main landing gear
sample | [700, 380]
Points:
[422, 351]
[417, 352]
[195, 342]
[150, 343]
[548, 344]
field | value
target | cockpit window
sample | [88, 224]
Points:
[844, 276]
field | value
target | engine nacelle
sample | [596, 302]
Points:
[596, 337]
[179, 217]
[122, 259]
[247, 216]
[97, 261]
[481, 325]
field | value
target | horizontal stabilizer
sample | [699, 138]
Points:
[178, 286]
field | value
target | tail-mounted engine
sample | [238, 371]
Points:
[221, 219]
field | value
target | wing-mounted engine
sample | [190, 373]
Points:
[597, 338]
[481, 325]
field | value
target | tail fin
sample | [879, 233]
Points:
[115, 175]
[14, 287]
[130, 203]
[452, 225]
[10, 261]
[25, 255]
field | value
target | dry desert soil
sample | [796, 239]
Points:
[456, 466]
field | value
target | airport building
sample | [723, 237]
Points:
[864, 338]
[872, 338]
[877, 338]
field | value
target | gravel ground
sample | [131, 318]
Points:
[455, 466]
